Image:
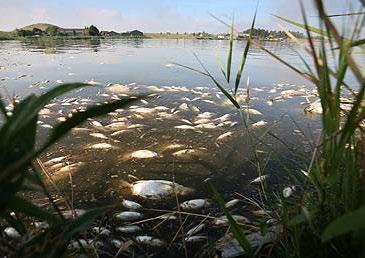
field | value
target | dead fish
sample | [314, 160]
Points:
[223, 118]
[186, 153]
[148, 240]
[85, 243]
[157, 189]
[259, 124]
[207, 126]
[161, 108]
[184, 107]
[131, 205]
[40, 225]
[136, 126]
[206, 115]
[96, 124]
[129, 229]
[185, 127]
[101, 146]
[57, 166]
[70, 168]
[167, 217]
[193, 239]
[195, 204]
[143, 154]
[252, 111]
[259, 179]
[195, 230]
[98, 135]
[101, 231]
[11, 232]
[224, 136]
[288, 191]
[207, 101]
[116, 126]
[117, 243]
[223, 221]
[129, 215]
[46, 126]
[143, 110]
[232, 203]
[119, 132]
[55, 160]
[68, 214]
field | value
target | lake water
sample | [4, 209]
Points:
[194, 134]
[34, 66]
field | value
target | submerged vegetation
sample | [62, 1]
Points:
[315, 212]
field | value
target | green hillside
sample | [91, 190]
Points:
[40, 26]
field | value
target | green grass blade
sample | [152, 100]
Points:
[350, 222]
[244, 56]
[234, 227]
[222, 89]
[18, 204]
[230, 52]
[219, 63]
[357, 43]
[300, 25]
[84, 221]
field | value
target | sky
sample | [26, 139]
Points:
[157, 15]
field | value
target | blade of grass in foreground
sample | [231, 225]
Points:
[230, 52]
[244, 56]
[234, 228]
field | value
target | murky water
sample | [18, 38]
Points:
[181, 98]
[184, 128]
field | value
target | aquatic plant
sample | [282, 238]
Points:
[20, 173]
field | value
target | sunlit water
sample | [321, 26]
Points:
[35, 66]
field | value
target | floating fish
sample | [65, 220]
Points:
[101, 231]
[252, 111]
[70, 168]
[129, 229]
[223, 221]
[157, 189]
[73, 213]
[101, 146]
[288, 191]
[98, 135]
[143, 154]
[131, 205]
[168, 217]
[151, 241]
[195, 230]
[232, 203]
[96, 124]
[129, 215]
[195, 204]
[259, 179]
[11, 232]
[184, 107]
[185, 127]
[224, 136]
[259, 124]
[193, 239]
[55, 160]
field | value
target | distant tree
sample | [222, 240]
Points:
[36, 32]
[93, 31]
[23, 33]
[52, 31]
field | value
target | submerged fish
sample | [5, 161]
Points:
[193, 239]
[157, 189]
[131, 205]
[143, 154]
[101, 146]
[151, 241]
[223, 221]
[129, 229]
[129, 215]
[232, 203]
[259, 179]
[195, 230]
[98, 135]
[195, 204]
